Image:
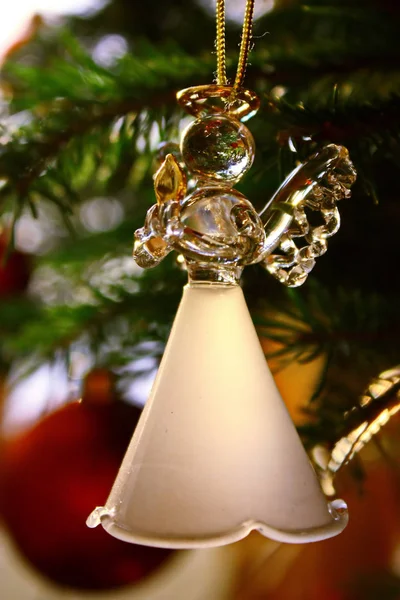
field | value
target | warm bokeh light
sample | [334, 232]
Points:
[234, 9]
[15, 16]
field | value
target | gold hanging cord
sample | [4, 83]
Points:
[238, 101]
[244, 45]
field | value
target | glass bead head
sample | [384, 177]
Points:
[218, 148]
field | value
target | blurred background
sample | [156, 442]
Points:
[88, 113]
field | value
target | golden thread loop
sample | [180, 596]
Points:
[220, 43]
[244, 45]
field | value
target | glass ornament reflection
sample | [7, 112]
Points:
[215, 454]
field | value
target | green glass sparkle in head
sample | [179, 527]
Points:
[218, 147]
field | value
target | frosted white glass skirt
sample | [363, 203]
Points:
[215, 454]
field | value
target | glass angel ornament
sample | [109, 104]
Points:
[215, 454]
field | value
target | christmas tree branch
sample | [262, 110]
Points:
[44, 329]
[73, 96]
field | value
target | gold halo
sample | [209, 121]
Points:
[194, 101]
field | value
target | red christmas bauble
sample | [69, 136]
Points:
[15, 270]
[51, 478]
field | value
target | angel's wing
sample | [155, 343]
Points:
[316, 185]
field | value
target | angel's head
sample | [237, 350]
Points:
[218, 148]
